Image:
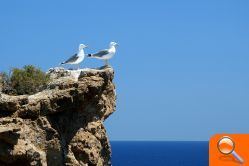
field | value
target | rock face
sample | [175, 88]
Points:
[62, 125]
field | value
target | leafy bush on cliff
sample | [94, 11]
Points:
[5, 83]
[28, 80]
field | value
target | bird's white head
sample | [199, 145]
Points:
[113, 44]
[82, 46]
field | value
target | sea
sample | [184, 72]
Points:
[165, 153]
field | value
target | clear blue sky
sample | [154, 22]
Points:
[181, 71]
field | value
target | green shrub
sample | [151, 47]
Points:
[28, 80]
[5, 83]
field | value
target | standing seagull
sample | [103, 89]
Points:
[76, 58]
[105, 54]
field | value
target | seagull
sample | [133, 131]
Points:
[76, 58]
[106, 53]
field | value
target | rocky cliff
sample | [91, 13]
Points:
[62, 125]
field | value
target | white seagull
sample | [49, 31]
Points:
[105, 54]
[76, 58]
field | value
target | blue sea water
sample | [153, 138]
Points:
[149, 153]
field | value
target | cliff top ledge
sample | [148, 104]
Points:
[61, 125]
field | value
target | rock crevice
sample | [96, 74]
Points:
[62, 125]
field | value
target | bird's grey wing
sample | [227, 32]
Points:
[101, 53]
[72, 58]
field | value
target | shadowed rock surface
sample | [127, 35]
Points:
[62, 125]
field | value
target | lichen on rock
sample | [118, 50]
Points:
[63, 124]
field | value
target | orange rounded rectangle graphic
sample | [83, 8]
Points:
[229, 150]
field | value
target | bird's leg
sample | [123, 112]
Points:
[106, 62]
[78, 66]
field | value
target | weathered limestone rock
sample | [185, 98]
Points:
[62, 125]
